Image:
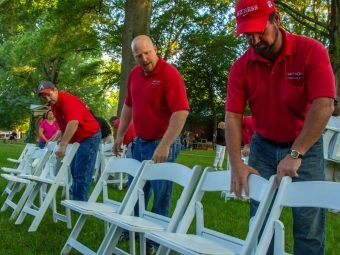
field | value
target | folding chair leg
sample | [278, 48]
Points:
[279, 237]
[8, 188]
[43, 208]
[8, 201]
[72, 239]
[22, 200]
[28, 204]
[110, 241]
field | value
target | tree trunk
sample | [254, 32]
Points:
[137, 22]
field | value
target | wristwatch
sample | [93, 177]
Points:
[295, 154]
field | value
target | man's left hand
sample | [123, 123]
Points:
[288, 166]
[161, 154]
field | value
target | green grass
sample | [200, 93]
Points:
[50, 237]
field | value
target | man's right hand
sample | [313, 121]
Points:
[239, 179]
[117, 146]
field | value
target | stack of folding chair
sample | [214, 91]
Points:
[53, 179]
[34, 165]
[20, 166]
[208, 241]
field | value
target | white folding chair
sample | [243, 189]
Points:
[24, 151]
[22, 167]
[148, 221]
[296, 194]
[208, 241]
[45, 162]
[126, 165]
[34, 165]
[60, 180]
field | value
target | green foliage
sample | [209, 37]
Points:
[31, 137]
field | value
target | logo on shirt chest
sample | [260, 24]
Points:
[294, 75]
[156, 82]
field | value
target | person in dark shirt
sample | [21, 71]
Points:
[104, 129]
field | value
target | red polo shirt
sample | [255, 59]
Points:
[154, 97]
[280, 95]
[130, 133]
[247, 129]
[69, 107]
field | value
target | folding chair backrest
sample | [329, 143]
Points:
[23, 152]
[259, 189]
[115, 165]
[174, 172]
[299, 194]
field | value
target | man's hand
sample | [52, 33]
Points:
[239, 179]
[287, 166]
[117, 146]
[161, 154]
[245, 152]
[60, 152]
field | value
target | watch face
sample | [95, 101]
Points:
[294, 154]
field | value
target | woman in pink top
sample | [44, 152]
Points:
[48, 129]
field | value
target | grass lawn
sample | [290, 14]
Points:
[230, 217]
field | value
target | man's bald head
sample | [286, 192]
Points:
[145, 52]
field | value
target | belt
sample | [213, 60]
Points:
[278, 144]
[149, 140]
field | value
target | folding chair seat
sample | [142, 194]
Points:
[296, 194]
[34, 165]
[146, 220]
[53, 182]
[86, 209]
[209, 241]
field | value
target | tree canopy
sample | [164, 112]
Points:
[84, 48]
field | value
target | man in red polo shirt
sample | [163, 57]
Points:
[77, 124]
[156, 101]
[289, 83]
[128, 137]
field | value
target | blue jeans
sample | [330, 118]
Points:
[41, 145]
[308, 223]
[82, 166]
[143, 150]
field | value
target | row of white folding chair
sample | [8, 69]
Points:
[177, 173]
[208, 241]
[86, 209]
[49, 199]
[22, 166]
[35, 164]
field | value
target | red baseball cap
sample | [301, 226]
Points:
[45, 87]
[252, 15]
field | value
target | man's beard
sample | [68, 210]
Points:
[263, 47]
